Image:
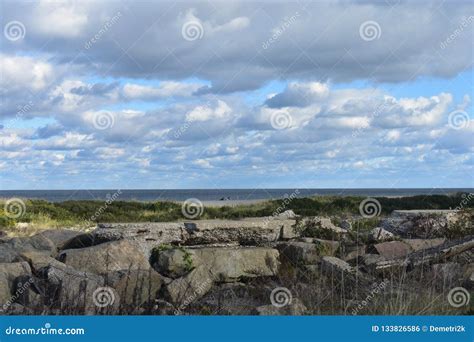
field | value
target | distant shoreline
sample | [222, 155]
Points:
[218, 197]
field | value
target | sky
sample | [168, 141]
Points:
[241, 94]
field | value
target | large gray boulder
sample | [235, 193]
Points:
[73, 291]
[189, 288]
[226, 263]
[135, 288]
[60, 237]
[9, 272]
[10, 249]
[106, 257]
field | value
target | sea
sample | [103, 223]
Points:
[216, 194]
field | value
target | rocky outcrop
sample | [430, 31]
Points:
[8, 276]
[106, 257]
[226, 264]
[421, 223]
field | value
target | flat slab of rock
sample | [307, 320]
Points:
[106, 257]
[298, 253]
[10, 249]
[420, 244]
[252, 232]
[226, 264]
[393, 249]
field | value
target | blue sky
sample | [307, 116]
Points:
[236, 95]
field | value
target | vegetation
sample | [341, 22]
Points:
[42, 214]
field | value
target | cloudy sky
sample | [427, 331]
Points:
[241, 94]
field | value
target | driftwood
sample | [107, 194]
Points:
[428, 256]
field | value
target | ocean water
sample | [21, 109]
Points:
[214, 194]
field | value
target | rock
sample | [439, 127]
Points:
[380, 234]
[350, 252]
[327, 247]
[420, 244]
[299, 253]
[348, 278]
[469, 281]
[287, 215]
[72, 291]
[33, 243]
[248, 232]
[288, 232]
[37, 260]
[135, 288]
[226, 264]
[393, 249]
[174, 262]
[60, 237]
[370, 261]
[346, 224]
[439, 254]
[187, 289]
[8, 274]
[10, 249]
[7, 253]
[106, 257]
[331, 265]
[420, 223]
[320, 227]
[295, 308]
